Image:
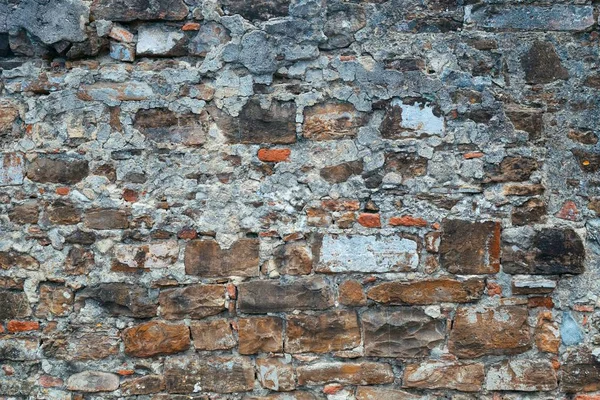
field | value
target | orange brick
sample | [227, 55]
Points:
[48, 381]
[125, 372]
[408, 220]
[62, 191]
[473, 154]
[583, 308]
[493, 289]
[587, 397]
[22, 326]
[130, 196]
[370, 220]
[544, 302]
[332, 388]
[274, 155]
[191, 26]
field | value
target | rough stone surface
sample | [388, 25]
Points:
[120, 299]
[155, 338]
[188, 374]
[440, 375]
[470, 248]
[212, 335]
[299, 199]
[205, 258]
[271, 296]
[401, 332]
[322, 333]
[51, 169]
[260, 335]
[470, 338]
[428, 292]
[194, 301]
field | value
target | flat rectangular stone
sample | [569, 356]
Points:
[365, 373]
[207, 259]
[11, 170]
[559, 17]
[322, 333]
[261, 297]
[466, 377]
[401, 332]
[372, 254]
[189, 374]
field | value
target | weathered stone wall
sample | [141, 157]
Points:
[299, 199]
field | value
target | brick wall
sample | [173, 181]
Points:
[299, 199]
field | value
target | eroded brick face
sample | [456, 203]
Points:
[299, 199]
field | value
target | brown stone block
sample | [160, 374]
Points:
[428, 292]
[206, 258]
[499, 331]
[322, 333]
[156, 338]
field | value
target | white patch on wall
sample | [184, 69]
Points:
[368, 254]
[419, 117]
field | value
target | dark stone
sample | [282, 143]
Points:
[103, 219]
[79, 261]
[342, 172]
[470, 247]
[57, 169]
[276, 125]
[530, 121]
[588, 161]
[62, 212]
[514, 169]
[131, 10]
[322, 333]
[583, 136]
[542, 65]
[532, 211]
[4, 46]
[401, 332]
[580, 377]
[164, 126]
[406, 164]
[24, 214]
[121, 299]
[13, 305]
[554, 251]
[205, 258]
[81, 237]
[257, 9]
[10, 259]
[258, 297]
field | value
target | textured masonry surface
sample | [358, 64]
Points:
[300, 199]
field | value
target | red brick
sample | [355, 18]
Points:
[274, 155]
[22, 326]
[408, 220]
[190, 26]
[370, 220]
